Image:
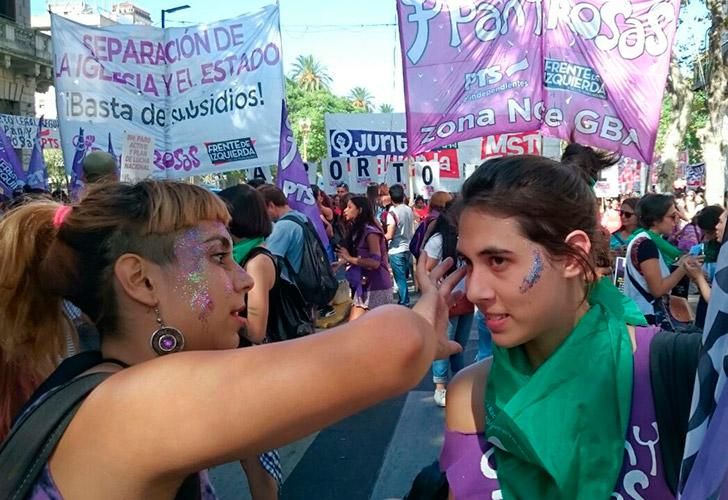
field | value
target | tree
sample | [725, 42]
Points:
[386, 108]
[53, 159]
[712, 133]
[310, 74]
[312, 105]
[361, 98]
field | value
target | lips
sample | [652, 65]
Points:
[237, 314]
[496, 322]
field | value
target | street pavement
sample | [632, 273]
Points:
[374, 455]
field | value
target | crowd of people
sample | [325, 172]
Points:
[152, 310]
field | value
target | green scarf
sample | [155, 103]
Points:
[242, 248]
[564, 425]
[668, 251]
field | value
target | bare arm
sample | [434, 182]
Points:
[430, 263]
[184, 412]
[656, 284]
[263, 271]
[390, 230]
[465, 410]
[695, 271]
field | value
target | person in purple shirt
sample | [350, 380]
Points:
[564, 408]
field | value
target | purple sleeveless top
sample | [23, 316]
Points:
[379, 279]
[45, 488]
[469, 462]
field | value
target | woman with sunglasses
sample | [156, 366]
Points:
[650, 257]
[620, 238]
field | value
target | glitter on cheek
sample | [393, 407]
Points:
[534, 274]
[191, 282]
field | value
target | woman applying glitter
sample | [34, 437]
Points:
[152, 266]
[550, 415]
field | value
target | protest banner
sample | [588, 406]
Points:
[263, 173]
[292, 178]
[397, 172]
[496, 146]
[22, 131]
[37, 171]
[312, 171]
[335, 171]
[12, 175]
[209, 96]
[384, 134]
[483, 68]
[364, 171]
[137, 158]
[426, 178]
[695, 175]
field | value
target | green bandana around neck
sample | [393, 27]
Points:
[242, 248]
[559, 431]
[668, 251]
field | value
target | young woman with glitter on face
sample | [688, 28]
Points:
[152, 266]
[548, 416]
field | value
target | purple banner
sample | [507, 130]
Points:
[591, 71]
[292, 178]
[12, 176]
[37, 172]
[77, 183]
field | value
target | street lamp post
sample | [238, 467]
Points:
[305, 124]
[173, 9]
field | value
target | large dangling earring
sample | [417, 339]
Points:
[166, 339]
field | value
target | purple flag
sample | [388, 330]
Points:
[585, 71]
[77, 167]
[12, 176]
[293, 178]
[116, 159]
[37, 172]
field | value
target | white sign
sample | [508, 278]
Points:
[397, 172]
[137, 158]
[209, 96]
[607, 186]
[263, 173]
[311, 170]
[22, 131]
[427, 178]
[335, 171]
[364, 171]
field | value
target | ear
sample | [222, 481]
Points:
[137, 278]
[579, 240]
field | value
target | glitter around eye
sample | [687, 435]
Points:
[534, 274]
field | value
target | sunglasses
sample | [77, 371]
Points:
[626, 214]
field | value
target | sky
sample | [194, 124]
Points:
[357, 42]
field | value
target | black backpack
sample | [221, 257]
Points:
[289, 316]
[315, 279]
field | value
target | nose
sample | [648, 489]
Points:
[242, 281]
[478, 287]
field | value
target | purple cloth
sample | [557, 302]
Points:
[46, 489]
[12, 176]
[379, 279]
[37, 172]
[469, 462]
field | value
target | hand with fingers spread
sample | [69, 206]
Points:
[437, 297]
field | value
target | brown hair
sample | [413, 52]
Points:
[43, 264]
[272, 194]
[547, 198]
[440, 199]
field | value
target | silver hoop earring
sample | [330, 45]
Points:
[166, 339]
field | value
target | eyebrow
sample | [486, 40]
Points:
[490, 251]
[218, 238]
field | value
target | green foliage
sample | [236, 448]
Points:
[312, 105]
[361, 98]
[386, 108]
[310, 74]
[698, 119]
[56, 170]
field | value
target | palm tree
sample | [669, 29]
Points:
[310, 74]
[361, 98]
[386, 108]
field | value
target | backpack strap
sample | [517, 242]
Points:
[673, 365]
[32, 440]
